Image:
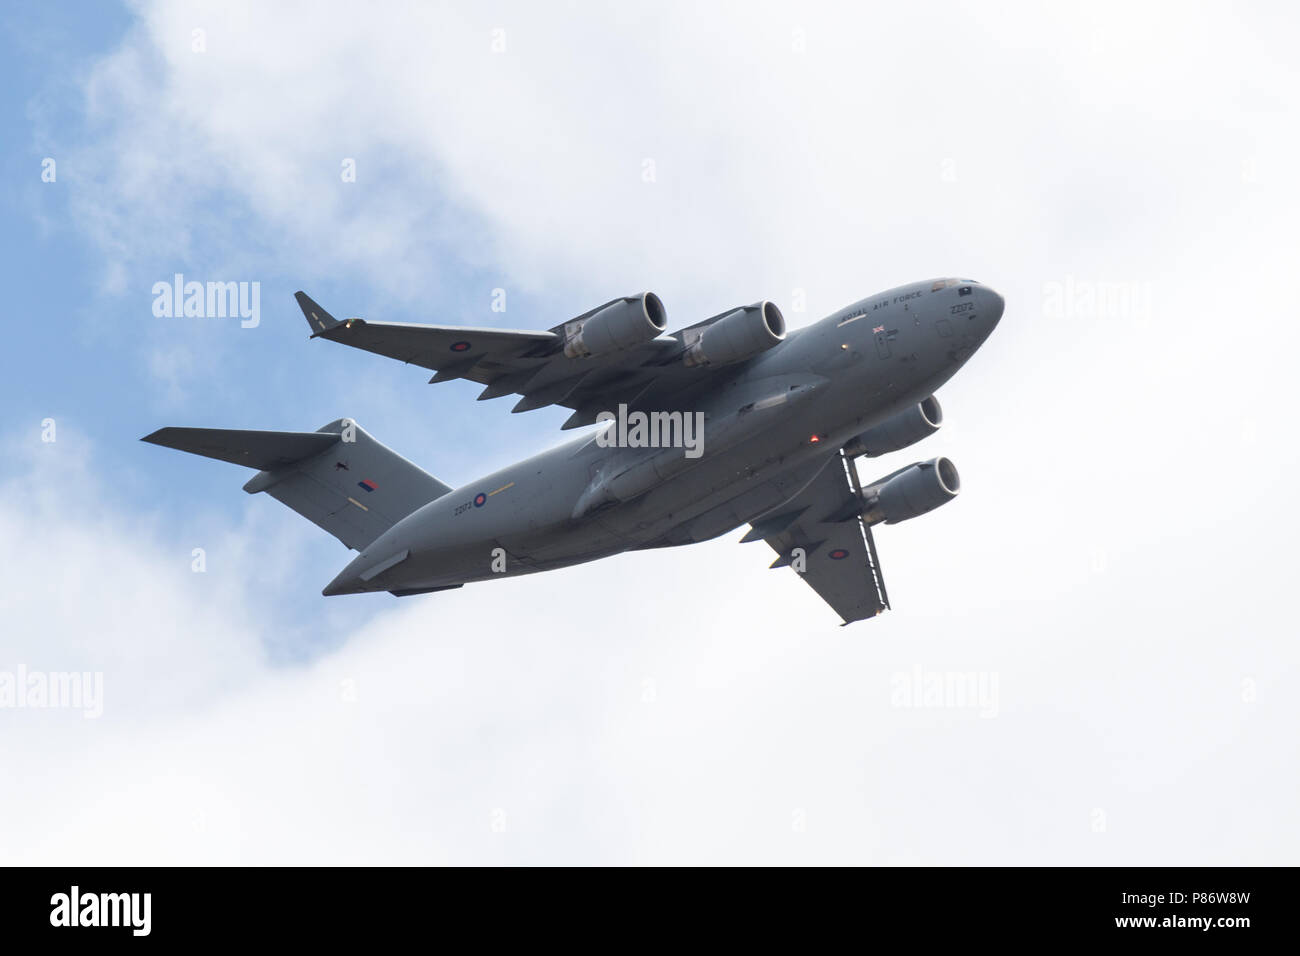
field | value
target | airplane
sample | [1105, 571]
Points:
[730, 421]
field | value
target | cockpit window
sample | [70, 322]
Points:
[947, 284]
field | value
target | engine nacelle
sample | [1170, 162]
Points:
[622, 324]
[899, 430]
[913, 491]
[737, 336]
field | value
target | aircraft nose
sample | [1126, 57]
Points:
[995, 304]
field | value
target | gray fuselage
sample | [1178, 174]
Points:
[770, 423]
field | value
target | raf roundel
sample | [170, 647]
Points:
[461, 346]
[480, 500]
[839, 554]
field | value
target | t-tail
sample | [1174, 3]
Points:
[338, 477]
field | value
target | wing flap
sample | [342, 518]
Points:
[828, 543]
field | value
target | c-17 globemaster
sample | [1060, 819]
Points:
[730, 421]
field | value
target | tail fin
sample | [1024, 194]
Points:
[338, 478]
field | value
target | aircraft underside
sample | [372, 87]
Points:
[770, 427]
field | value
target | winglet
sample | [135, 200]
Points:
[319, 320]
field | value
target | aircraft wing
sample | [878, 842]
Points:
[530, 364]
[821, 534]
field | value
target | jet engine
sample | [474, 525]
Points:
[913, 491]
[738, 335]
[620, 325]
[899, 430]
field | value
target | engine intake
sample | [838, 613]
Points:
[899, 430]
[736, 336]
[622, 324]
[911, 492]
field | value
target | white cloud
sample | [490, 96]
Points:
[727, 720]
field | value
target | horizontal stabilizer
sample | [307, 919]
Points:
[338, 478]
[254, 449]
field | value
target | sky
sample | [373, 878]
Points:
[1115, 578]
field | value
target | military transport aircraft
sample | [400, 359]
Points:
[730, 421]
